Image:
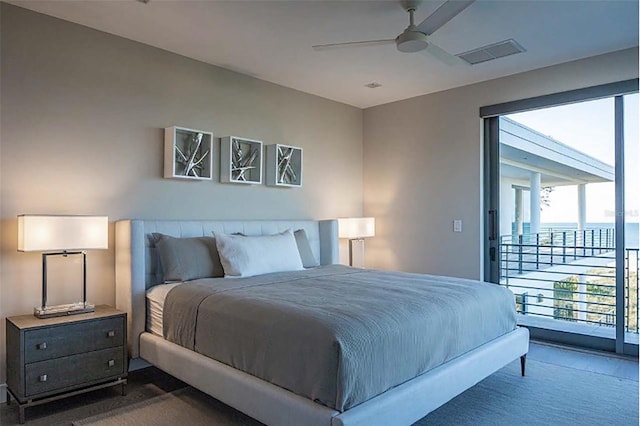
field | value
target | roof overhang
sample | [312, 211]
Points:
[524, 150]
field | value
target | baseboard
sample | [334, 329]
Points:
[3, 393]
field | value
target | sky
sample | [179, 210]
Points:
[589, 127]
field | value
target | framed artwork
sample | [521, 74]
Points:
[188, 153]
[240, 160]
[284, 165]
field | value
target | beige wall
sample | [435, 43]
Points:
[423, 159]
[81, 132]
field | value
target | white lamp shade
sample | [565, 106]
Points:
[356, 227]
[54, 233]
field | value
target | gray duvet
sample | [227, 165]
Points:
[334, 334]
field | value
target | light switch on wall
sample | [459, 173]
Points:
[457, 225]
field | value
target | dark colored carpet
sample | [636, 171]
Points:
[549, 395]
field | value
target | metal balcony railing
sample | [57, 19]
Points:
[569, 275]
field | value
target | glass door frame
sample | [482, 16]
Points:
[491, 191]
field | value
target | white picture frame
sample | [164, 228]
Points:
[284, 165]
[240, 160]
[188, 154]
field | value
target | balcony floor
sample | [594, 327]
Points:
[593, 361]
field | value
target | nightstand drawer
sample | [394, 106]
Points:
[46, 376]
[68, 339]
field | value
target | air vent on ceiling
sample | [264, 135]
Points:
[491, 52]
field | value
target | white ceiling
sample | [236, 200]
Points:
[272, 40]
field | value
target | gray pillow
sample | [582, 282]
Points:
[306, 254]
[184, 259]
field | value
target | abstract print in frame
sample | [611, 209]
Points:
[240, 160]
[188, 153]
[284, 165]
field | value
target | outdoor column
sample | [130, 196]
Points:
[518, 211]
[582, 206]
[534, 190]
[582, 222]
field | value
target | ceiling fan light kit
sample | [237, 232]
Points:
[411, 41]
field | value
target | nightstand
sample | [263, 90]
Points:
[53, 358]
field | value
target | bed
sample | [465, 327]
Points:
[405, 402]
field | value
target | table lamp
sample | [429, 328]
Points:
[356, 229]
[62, 236]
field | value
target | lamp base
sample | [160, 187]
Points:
[63, 310]
[356, 253]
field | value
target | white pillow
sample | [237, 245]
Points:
[246, 256]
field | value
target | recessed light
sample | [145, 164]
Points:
[373, 85]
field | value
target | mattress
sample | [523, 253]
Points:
[156, 297]
[336, 335]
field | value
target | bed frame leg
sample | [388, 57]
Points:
[523, 361]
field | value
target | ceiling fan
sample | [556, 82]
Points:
[415, 38]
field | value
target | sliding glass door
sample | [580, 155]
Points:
[631, 178]
[558, 233]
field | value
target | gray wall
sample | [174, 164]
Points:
[81, 132]
[423, 159]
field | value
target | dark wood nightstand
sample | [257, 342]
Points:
[53, 358]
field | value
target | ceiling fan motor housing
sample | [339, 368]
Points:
[411, 41]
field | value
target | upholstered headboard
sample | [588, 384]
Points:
[136, 260]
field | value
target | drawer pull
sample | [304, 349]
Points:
[42, 378]
[111, 363]
[111, 333]
[41, 346]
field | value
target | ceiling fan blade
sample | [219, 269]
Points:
[442, 55]
[446, 12]
[320, 47]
